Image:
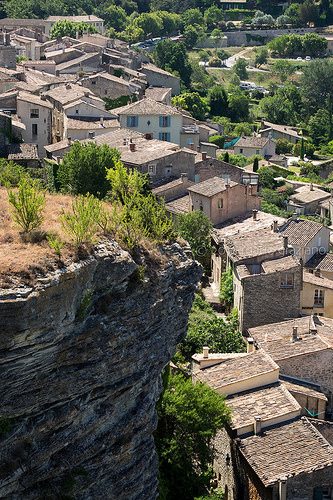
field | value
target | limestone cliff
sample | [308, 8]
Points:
[81, 357]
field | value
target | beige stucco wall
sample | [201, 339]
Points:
[154, 126]
[307, 300]
[43, 137]
[269, 149]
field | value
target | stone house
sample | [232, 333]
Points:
[24, 154]
[307, 199]
[248, 146]
[268, 451]
[303, 349]
[275, 131]
[157, 77]
[222, 199]
[7, 52]
[159, 94]
[26, 46]
[88, 128]
[9, 24]
[307, 238]
[7, 81]
[106, 85]
[94, 21]
[36, 114]
[206, 168]
[43, 65]
[174, 188]
[156, 120]
[87, 63]
[321, 264]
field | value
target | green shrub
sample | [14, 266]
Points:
[82, 223]
[218, 140]
[28, 203]
[11, 173]
[56, 243]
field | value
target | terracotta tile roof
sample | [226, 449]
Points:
[147, 106]
[323, 262]
[300, 231]
[77, 60]
[286, 450]
[157, 93]
[252, 244]
[22, 151]
[34, 99]
[275, 338]
[252, 142]
[244, 224]
[301, 387]
[304, 194]
[180, 205]
[265, 402]
[282, 264]
[211, 187]
[236, 370]
[319, 281]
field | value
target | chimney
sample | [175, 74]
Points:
[285, 242]
[198, 151]
[294, 216]
[132, 146]
[275, 226]
[254, 214]
[68, 86]
[283, 489]
[257, 425]
[312, 328]
[250, 345]
[204, 156]
[317, 272]
[205, 351]
[311, 186]
[294, 334]
[124, 141]
[101, 120]
[183, 177]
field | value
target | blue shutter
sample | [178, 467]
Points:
[160, 136]
[168, 136]
[161, 121]
[169, 121]
[136, 121]
[128, 121]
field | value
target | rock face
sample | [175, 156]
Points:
[81, 358]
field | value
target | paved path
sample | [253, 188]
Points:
[212, 297]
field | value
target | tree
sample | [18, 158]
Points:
[261, 57]
[171, 22]
[192, 34]
[266, 177]
[213, 15]
[115, 17]
[216, 35]
[240, 68]
[199, 78]
[261, 18]
[195, 227]
[308, 13]
[319, 127]
[83, 169]
[227, 288]
[172, 56]
[189, 417]
[124, 183]
[313, 44]
[192, 17]
[283, 146]
[283, 69]
[294, 45]
[150, 23]
[218, 101]
[279, 44]
[69, 28]
[27, 204]
[255, 165]
[238, 106]
[282, 20]
[193, 103]
[293, 14]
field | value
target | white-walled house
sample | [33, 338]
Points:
[35, 113]
[152, 118]
[248, 146]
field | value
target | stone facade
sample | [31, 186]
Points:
[82, 355]
[206, 168]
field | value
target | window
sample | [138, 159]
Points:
[151, 169]
[318, 298]
[287, 280]
[220, 203]
[132, 121]
[106, 91]
[257, 151]
[241, 150]
[164, 136]
[165, 121]
[34, 130]
[93, 82]
[34, 113]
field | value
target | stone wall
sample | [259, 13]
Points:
[81, 358]
[261, 37]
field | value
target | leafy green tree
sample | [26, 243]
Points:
[218, 101]
[227, 288]
[308, 13]
[294, 45]
[195, 227]
[242, 128]
[213, 15]
[320, 126]
[279, 45]
[172, 56]
[313, 44]
[238, 106]
[27, 204]
[192, 17]
[171, 21]
[11, 173]
[200, 80]
[261, 18]
[124, 183]
[261, 57]
[188, 419]
[266, 177]
[193, 103]
[131, 34]
[283, 69]
[284, 107]
[69, 28]
[255, 165]
[150, 23]
[218, 140]
[192, 34]
[240, 68]
[205, 329]
[282, 20]
[115, 17]
[293, 13]
[82, 223]
[83, 169]
[283, 146]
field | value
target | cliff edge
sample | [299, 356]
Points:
[81, 356]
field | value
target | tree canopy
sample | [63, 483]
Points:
[195, 227]
[69, 28]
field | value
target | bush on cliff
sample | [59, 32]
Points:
[27, 204]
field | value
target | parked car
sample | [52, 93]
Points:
[299, 59]
[308, 58]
